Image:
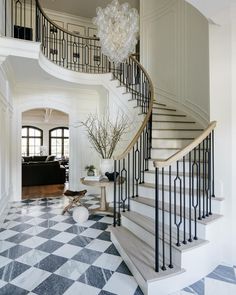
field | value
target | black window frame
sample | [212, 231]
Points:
[58, 137]
[28, 137]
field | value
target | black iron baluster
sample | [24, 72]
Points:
[184, 201]
[128, 181]
[157, 233]
[190, 199]
[204, 180]
[119, 196]
[213, 164]
[195, 200]
[115, 200]
[163, 219]
[178, 221]
[170, 219]
[199, 184]
[209, 176]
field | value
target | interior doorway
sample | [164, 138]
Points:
[45, 155]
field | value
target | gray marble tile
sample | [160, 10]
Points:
[15, 252]
[198, 288]
[53, 285]
[87, 256]
[51, 263]
[50, 246]
[12, 270]
[96, 277]
[224, 273]
[12, 290]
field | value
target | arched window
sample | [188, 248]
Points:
[31, 140]
[59, 142]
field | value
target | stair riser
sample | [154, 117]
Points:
[150, 178]
[165, 143]
[166, 112]
[175, 133]
[150, 194]
[174, 125]
[174, 166]
[162, 153]
[150, 212]
[149, 238]
[158, 117]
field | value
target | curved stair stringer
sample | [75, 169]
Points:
[118, 98]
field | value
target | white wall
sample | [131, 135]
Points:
[5, 142]
[76, 24]
[222, 37]
[174, 50]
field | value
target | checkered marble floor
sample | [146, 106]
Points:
[45, 253]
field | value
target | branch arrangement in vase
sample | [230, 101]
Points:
[104, 134]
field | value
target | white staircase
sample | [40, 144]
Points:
[172, 130]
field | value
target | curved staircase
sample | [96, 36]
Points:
[166, 215]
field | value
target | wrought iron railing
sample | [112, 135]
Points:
[185, 184]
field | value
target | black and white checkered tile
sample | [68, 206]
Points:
[43, 252]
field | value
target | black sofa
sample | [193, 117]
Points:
[43, 173]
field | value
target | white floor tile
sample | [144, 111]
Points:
[61, 226]
[4, 261]
[35, 221]
[91, 232]
[64, 237]
[31, 278]
[82, 289]
[72, 269]
[98, 245]
[6, 234]
[219, 287]
[67, 251]
[121, 284]
[34, 242]
[32, 257]
[108, 261]
[34, 230]
[106, 219]
[2, 284]
[5, 245]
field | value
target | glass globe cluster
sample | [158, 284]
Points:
[118, 27]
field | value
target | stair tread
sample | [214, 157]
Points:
[148, 224]
[173, 173]
[171, 115]
[172, 138]
[141, 255]
[177, 129]
[175, 122]
[151, 203]
[165, 109]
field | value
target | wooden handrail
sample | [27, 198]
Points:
[145, 122]
[179, 155]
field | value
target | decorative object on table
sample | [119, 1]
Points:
[104, 134]
[90, 170]
[74, 199]
[93, 178]
[111, 176]
[80, 214]
[118, 28]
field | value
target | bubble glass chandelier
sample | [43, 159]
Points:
[118, 28]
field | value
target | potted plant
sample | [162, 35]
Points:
[90, 170]
[104, 134]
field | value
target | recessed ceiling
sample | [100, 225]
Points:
[45, 116]
[85, 8]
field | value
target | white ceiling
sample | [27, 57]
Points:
[85, 8]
